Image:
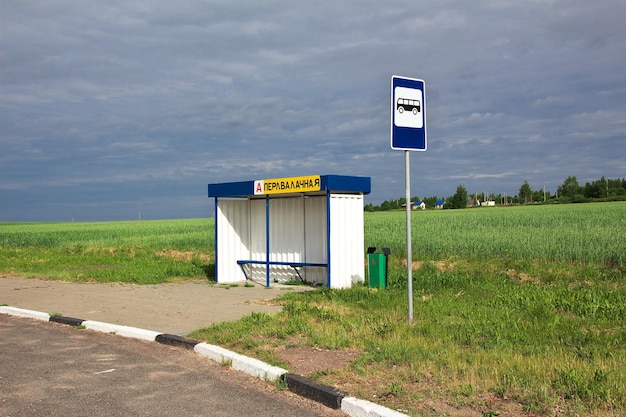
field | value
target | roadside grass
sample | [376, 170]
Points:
[487, 341]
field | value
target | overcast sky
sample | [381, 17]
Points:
[111, 109]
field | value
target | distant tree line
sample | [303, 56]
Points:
[603, 189]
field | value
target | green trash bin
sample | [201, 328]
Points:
[377, 267]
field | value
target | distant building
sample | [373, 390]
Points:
[439, 204]
[488, 203]
[415, 205]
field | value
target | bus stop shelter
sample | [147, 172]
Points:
[306, 228]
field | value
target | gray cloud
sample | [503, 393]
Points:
[108, 107]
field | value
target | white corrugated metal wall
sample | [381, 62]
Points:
[315, 239]
[298, 233]
[347, 264]
[233, 235]
[286, 236]
[256, 242]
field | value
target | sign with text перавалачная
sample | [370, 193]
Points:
[287, 185]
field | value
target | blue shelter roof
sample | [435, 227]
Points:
[296, 185]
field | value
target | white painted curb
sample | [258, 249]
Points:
[257, 368]
[361, 408]
[20, 312]
[239, 362]
[215, 353]
[125, 331]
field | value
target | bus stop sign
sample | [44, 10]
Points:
[408, 123]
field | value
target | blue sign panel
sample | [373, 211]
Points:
[408, 123]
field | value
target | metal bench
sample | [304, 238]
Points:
[294, 265]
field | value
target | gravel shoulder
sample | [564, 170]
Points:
[175, 308]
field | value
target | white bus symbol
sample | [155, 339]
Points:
[408, 104]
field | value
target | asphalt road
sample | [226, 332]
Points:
[50, 369]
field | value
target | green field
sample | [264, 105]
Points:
[143, 252]
[517, 310]
[589, 233]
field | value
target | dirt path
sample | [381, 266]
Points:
[168, 308]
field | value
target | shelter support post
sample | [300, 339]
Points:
[267, 241]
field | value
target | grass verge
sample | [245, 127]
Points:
[483, 340]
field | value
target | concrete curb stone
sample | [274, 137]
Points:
[239, 362]
[312, 390]
[20, 312]
[355, 407]
[125, 331]
[71, 321]
[174, 340]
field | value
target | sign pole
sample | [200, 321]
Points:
[409, 260]
[408, 133]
